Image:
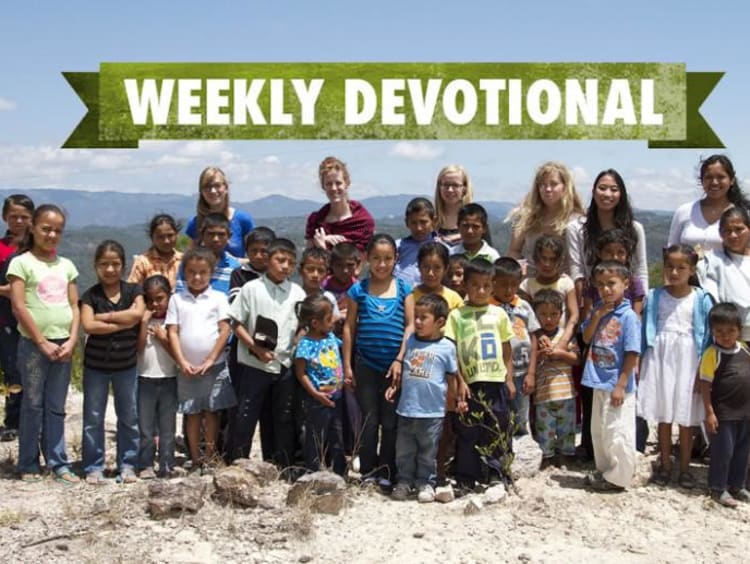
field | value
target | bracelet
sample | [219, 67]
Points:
[398, 360]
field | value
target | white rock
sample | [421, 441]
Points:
[527, 457]
[495, 494]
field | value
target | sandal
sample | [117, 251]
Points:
[68, 478]
[686, 480]
[725, 498]
[9, 435]
[662, 476]
[31, 477]
[95, 478]
[740, 495]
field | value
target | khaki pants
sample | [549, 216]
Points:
[613, 438]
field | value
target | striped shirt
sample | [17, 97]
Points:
[220, 278]
[554, 378]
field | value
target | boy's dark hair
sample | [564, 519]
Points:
[198, 253]
[259, 235]
[316, 253]
[550, 243]
[615, 235]
[419, 205]
[474, 209]
[21, 200]
[548, 296]
[508, 266]
[282, 245]
[613, 266]
[435, 304]
[158, 281]
[459, 258]
[478, 266]
[725, 313]
[342, 252]
[215, 220]
[433, 248]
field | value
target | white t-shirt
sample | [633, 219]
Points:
[726, 276]
[198, 319]
[689, 227]
[155, 361]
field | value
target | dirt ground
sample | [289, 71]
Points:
[549, 518]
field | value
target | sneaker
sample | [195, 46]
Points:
[385, 485]
[603, 485]
[444, 494]
[741, 495]
[725, 498]
[147, 474]
[426, 494]
[401, 492]
[686, 480]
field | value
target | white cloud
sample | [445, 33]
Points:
[7, 105]
[416, 151]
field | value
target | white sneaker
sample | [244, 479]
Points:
[426, 494]
[444, 494]
[400, 492]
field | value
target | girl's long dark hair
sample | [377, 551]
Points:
[691, 255]
[735, 194]
[623, 219]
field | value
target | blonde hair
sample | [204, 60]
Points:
[332, 164]
[468, 196]
[209, 175]
[528, 216]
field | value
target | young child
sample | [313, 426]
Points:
[508, 275]
[266, 305]
[17, 211]
[454, 276]
[373, 353]
[430, 369]
[198, 328]
[162, 257]
[675, 334]
[256, 250]
[475, 232]
[549, 256]
[482, 334]
[614, 334]
[420, 220]
[725, 387]
[726, 273]
[547, 209]
[552, 383]
[111, 312]
[214, 235]
[157, 382]
[345, 265]
[613, 244]
[317, 365]
[313, 269]
[453, 190]
[48, 324]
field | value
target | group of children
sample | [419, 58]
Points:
[438, 348]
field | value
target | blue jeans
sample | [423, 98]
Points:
[378, 418]
[416, 449]
[95, 393]
[157, 413]
[45, 385]
[730, 447]
[8, 354]
[324, 435]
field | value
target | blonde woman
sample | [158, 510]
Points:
[453, 190]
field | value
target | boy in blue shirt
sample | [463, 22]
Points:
[420, 219]
[614, 333]
[430, 368]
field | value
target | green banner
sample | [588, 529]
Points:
[127, 102]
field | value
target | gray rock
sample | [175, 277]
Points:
[167, 499]
[643, 471]
[264, 472]
[236, 486]
[324, 491]
[527, 457]
[474, 506]
[493, 495]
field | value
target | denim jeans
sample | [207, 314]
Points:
[416, 449]
[470, 465]
[268, 398]
[378, 417]
[8, 354]
[730, 447]
[95, 392]
[520, 406]
[45, 385]
[157, 413]
[324, 435]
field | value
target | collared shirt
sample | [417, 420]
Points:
[274, 301]
[485, 252]
[220, 278]
[198, 320]
[151, 263]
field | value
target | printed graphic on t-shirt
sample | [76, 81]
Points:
[602, 351]
[421, 363]
[479, 352]
[323, 363]
[52, 289]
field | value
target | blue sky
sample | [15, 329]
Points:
[38, 110]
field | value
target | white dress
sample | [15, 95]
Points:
[668, 370]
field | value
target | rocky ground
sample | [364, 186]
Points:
[549, 517]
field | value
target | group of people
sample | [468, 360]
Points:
[396, 353]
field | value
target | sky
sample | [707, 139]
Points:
[39, 110]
